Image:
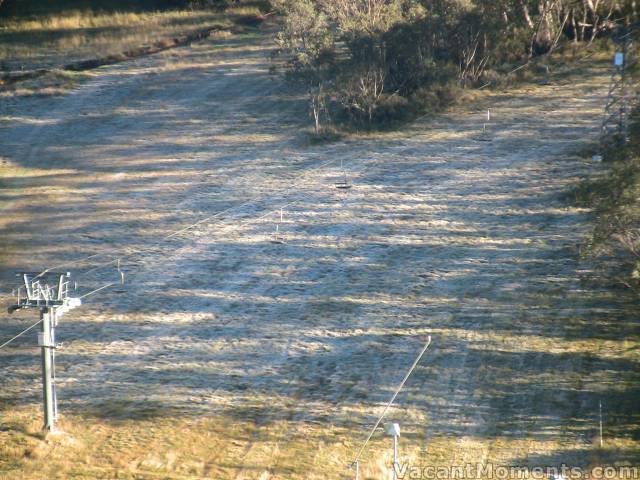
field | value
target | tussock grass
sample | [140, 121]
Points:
[54, 82]
[86, 19]
[225, 445]
[58, 39]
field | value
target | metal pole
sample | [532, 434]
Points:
[357, 470]
[54, 397]
[47, 390]
[395, 457]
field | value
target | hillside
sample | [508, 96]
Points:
[226, 355]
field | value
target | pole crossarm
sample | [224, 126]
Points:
[44, 291]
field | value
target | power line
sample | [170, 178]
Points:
[231, 227]
[20, 334]
[118, 259]
[92, 292]
[395, 394]
[175, 233]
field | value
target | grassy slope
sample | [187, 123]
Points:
[125, 439]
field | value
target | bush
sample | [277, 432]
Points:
[435, 98]
[218, 5]
[615, 196]
[391, 109]
[634, 133]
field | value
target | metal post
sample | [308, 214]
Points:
[52, 349]
[52, 302]
[357, 470]
[625, 100]
[393, 430]
[395, 457]
[617, 108]
[47, 384]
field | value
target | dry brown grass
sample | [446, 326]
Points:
[148, 442]
[56, 40]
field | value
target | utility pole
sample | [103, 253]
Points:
[46, 342]
[49, 293]
[356, 466]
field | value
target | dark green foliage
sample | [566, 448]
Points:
[615, 197]
[634, 133]
[384, 51]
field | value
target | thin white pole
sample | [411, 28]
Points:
[395, 457]
[47, 390]
[600, 406]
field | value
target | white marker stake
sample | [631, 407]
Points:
[600, 405]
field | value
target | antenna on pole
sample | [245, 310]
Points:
[49, 293]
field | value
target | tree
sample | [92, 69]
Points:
[308, 41]
[363, 26]
[366, 54]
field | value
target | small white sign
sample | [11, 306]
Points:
[619, 59]
[41, 340]
[393, 430]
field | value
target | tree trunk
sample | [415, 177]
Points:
[317, 105]
[574, 26]
[316, 118]
[583, 27]
[525, 13]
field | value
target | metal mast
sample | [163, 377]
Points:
[49, 293]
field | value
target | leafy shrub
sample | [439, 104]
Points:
[391, 109]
